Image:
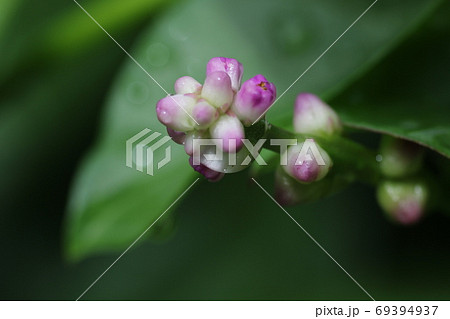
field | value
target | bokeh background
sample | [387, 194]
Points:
[70, 97]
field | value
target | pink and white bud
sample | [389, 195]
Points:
[209, 174]
[204, 114]
[177, 137]
[174, 112]
[404, 202]
[307, 162]
[313, 116]
[217, 90]
[232, 67]
[230, 130]
[253, 99]
[187, 84]
[189, 140]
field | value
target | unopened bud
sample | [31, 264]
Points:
[307, 162]
[232, 67]
[399, 158]
[313, 116]
[253, 99]
[217, 90]
[209, 174]
[177, 137]
[204, 114]
[173, 112]
[189, 140]
[187, 84]
[286, 189]
[289, 191]
[230, 130]
[404, 202]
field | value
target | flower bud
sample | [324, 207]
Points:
[232, 67]
[225, 162]
[209, 174]
[173, 112]
[404, 202]
[230, 130]
[289, 191]
[177, 137]
[313, 116]
[217, 90]
[189, 140]
[307, 162]
[286, 192]
[187, 84]
[399, 158]
[204, 114]
[253, 99]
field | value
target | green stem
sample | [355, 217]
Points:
[350, 159]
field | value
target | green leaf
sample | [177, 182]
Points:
[406, 95]
[65, 32]
[72, 31]
[112, 204]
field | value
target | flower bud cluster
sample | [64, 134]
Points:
[221, 108]
[218, 109]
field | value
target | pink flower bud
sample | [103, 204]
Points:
[189, 140]
[307, 162]
[403, 201]
[187, 84]
[204, 114]
[177, 137]
[209, 174]
[232, 67]
[230, 130]
[217, 90]
[253, 99]
[173, 112]
[313, 116]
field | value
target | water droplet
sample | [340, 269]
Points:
[158, 54]
[137, 92]
[379, 158]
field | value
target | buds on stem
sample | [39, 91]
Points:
[400, 158]
[313, 116]
[307, 162]
[405, 201]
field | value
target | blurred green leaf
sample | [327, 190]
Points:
[112, 204]
[73, 31]
[7, 10]
[64, 31]
[407, 94]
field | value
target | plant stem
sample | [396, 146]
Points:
[350, 159]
